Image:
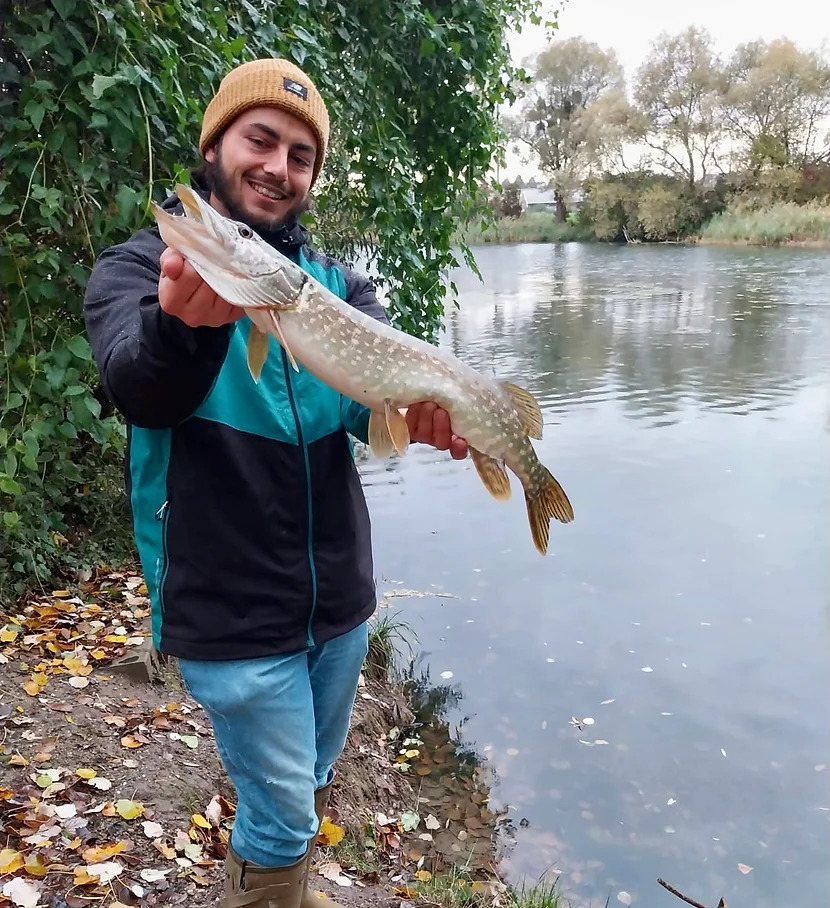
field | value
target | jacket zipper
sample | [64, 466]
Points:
[301, 442]
[162, 514]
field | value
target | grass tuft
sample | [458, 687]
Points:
[783, 222]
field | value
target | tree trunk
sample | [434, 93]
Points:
[561, 207]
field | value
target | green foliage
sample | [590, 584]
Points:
[101, 104]
[663, 211]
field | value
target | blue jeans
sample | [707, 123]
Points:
[280, 724]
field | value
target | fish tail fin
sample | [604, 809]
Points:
[550, 502]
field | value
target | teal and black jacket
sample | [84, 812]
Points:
[248, 511]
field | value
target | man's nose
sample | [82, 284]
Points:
[277, 164]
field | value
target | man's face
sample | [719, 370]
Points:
[260, 170]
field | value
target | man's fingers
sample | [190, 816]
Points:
[424, 429]
[172, 264]
[458, 448]
[442, 435]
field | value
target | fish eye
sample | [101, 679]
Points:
[245, 232]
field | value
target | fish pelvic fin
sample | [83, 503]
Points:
[388, 431]
[550, 502]
[524, 403]
[493, 474]
[257, 351]
[275, 318]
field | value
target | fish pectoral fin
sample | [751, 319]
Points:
[257, 351]
[551, 502]
[493, 474]
[275, 318]
[388, 431]
[524, 403]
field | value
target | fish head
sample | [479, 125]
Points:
[228, 255]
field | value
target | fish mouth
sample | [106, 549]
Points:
[193, 235]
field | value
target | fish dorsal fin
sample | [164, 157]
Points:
[525, 405]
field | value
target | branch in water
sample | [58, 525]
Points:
[673, 891]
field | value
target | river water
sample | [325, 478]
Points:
[686, 398]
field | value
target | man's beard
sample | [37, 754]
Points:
[222, 187]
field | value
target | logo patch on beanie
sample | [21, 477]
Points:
[295, 88]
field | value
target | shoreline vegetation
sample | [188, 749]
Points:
[778, 224]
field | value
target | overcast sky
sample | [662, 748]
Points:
[629, 28]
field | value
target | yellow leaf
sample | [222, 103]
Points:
[82, 878]
[7, 635]
[129, 810]
[199, 820]
[423, 876]
[103, 852]
[98, 654]
[130, 741]
[142, 589]
[85, 773]
[35, 865]
[330, 833]
[115, 638]
[10, 860]
[61, 594]
[31, 687]
[6, 794]
[405, 892]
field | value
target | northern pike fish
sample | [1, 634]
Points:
[367, 361]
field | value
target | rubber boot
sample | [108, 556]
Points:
[310, 900]
[249, 885]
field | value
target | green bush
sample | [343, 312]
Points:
[101, 104]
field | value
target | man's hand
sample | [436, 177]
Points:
[430, 425]
[184, 294]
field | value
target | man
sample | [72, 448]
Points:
[248, 510]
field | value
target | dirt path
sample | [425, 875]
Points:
[112, 791]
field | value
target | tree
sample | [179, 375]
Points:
[101, 104]
[678, 94]
[776, 96]
[561, 119]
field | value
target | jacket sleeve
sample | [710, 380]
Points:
[361, 293]
[154, 368]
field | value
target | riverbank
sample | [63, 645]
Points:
[781, 224]
[113, 789]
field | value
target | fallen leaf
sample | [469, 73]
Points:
[330, 833]
[198, 820]
[410, 820]
[153, 876]
[334, 872]
[80, 683]
[423, 876]
[432, 823]
[152, 830]
[10, 861]
[191, 741]
[130, 741]
[129, 810]
[744, 868]
[36, 865]
[99, 782]
[23, 893]
[86, 773]
[99, 853]
[624, 897]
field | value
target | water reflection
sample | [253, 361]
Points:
[674, 328]
[685, 395]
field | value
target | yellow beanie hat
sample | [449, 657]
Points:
[271, 82]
